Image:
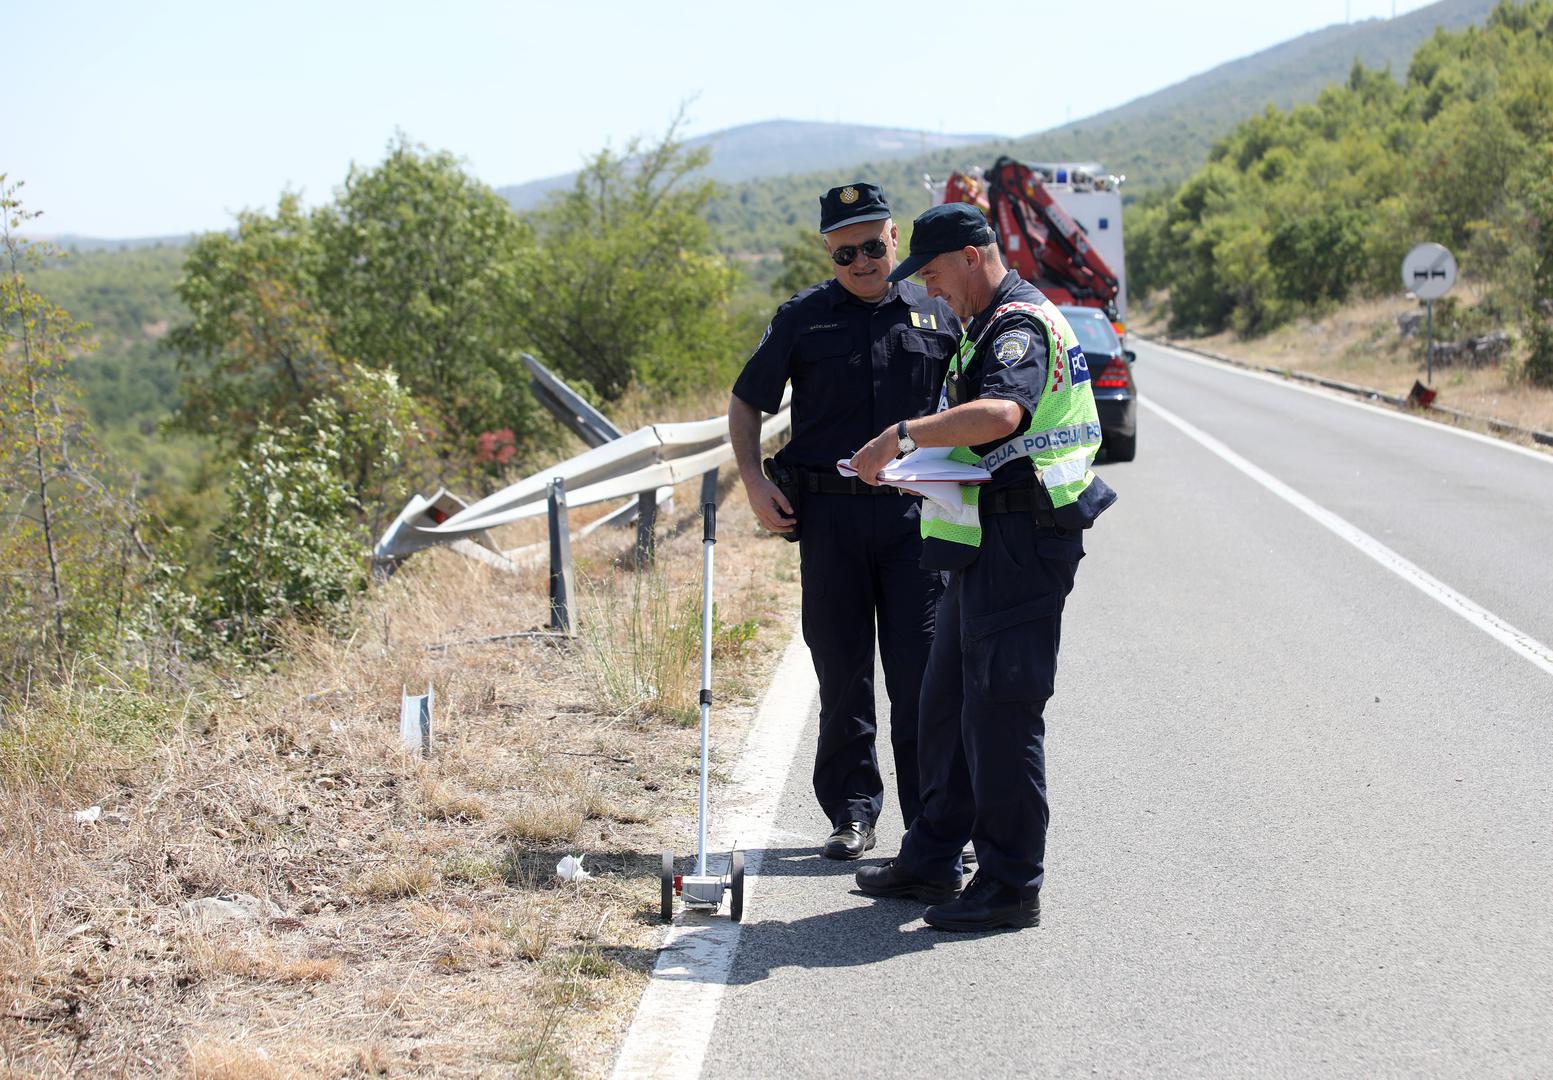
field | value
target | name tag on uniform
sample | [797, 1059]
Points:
[924, 320]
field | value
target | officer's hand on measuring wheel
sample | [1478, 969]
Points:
[879, 452]
[770, 505]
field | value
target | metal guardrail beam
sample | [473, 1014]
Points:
[659, 456]
[567, 406]
[649, 461]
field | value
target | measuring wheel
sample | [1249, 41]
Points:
[736, 901]
[668, 887]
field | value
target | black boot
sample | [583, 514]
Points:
[849, 841]
[987, 904]
[886, 880]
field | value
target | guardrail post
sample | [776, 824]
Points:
[562, 580]
[646, 522]
[709, 487]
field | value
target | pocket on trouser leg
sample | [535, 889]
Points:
[1011, 655]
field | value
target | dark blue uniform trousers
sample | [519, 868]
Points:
[859, 556]
[982, 737]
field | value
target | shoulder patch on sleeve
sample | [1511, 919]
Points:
[1009, 348]
[766, 336]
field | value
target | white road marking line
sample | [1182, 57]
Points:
[1341, 398]
[675, 1017]
[1515, 640]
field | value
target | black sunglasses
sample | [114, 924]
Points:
[844, 255]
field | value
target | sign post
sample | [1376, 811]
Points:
[1428, 273]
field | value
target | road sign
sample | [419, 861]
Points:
[1429, 271]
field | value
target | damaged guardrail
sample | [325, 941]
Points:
[642, 465]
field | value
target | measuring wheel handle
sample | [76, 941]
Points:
[736, 900]
[667, 880]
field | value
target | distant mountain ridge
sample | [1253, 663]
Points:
[778, 147]
[1154, 140]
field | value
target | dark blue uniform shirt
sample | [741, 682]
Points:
[856, 368]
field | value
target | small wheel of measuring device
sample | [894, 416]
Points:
[736, 901]
[668, 887]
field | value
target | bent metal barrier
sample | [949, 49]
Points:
[637, 465]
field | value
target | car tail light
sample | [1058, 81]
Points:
[1114, 377]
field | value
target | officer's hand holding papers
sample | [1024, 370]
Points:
[928, 472]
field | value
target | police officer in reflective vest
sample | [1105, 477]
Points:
[1017, 400]
[860, 351]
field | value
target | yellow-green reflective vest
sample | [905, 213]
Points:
[1061, 442]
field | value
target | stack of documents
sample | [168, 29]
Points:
[927, 472]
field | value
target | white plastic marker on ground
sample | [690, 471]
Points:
[674, 1020]
[1515, 640]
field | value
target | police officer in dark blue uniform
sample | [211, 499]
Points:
[859, 351]
[994, 659]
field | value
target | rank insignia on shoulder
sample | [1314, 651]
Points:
[1010, 348]
[922, 321]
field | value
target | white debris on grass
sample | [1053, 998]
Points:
[570, 869]
[229, 907]
[87, 816]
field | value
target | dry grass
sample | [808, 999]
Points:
[1360, 343]
[423, 931]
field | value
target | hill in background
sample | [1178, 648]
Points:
[779, 147]
[1155, 140]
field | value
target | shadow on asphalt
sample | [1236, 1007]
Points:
[846, 937]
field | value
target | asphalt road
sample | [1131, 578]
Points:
[1301, 808]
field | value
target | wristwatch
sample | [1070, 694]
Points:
[907, 443]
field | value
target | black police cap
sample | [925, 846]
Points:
[842, 206]
[948, 227]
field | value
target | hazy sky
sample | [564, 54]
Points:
[153, 118]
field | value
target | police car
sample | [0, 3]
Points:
[1110, 368]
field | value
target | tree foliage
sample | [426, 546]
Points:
[257, 348]
[627, 286]
[71, 562]
[414, 268]
[422, 268]
[1300, 208]
[804, 263]
[293, 543]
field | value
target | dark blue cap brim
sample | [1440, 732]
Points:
[912, 264]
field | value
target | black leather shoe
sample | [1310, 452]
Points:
[987, 904]
[886, 880]
[849, 841]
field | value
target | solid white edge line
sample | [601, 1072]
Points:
[1340, 398]
[1516, 641]
[674, 1019]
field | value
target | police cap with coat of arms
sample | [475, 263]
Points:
[843, 206]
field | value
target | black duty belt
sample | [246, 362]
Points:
[832, 483]
[1019, 500]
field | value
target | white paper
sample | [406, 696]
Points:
[930, 464]
[928, 472]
